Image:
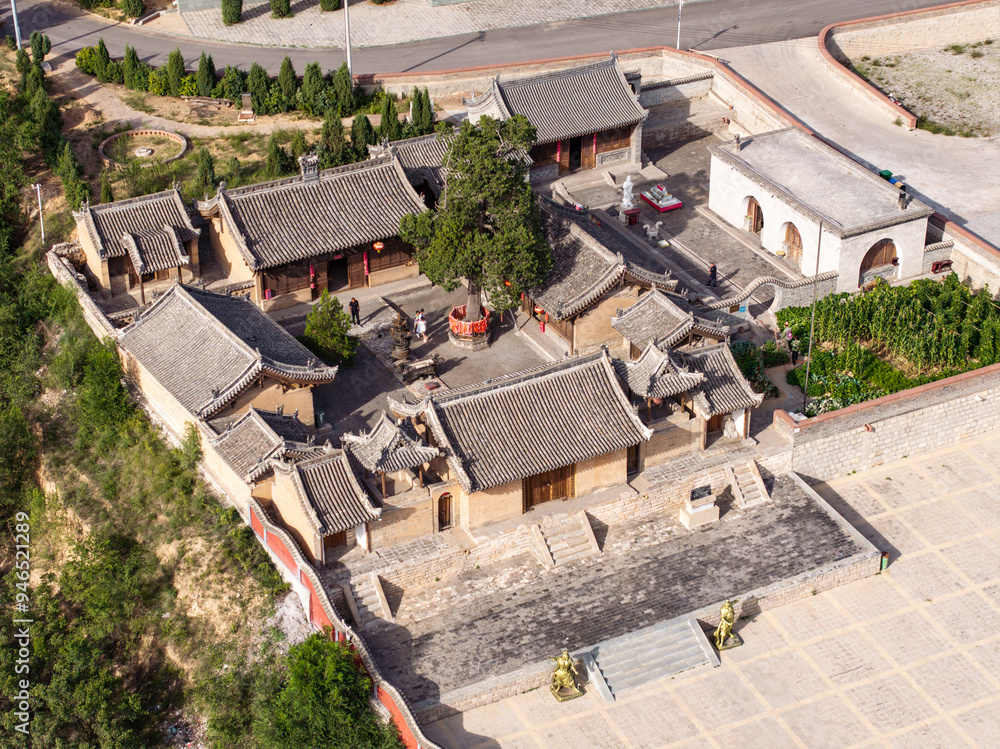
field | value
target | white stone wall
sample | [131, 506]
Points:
[909, 240]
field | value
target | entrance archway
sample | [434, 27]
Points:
[755, 216]
[879, 255]
[793, 244]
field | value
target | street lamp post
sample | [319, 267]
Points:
[680, 7]
[37, 187]
[17, 29]
[347, 34]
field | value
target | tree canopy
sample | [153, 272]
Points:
[487, 229]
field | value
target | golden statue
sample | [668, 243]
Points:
[727, 618]
[564, 678]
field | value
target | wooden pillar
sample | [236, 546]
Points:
[142, 290]
[383, 484]
[421, 477]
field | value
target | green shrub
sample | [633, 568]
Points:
[326, 331]
[258, 84]
[132, 8]
[103, 60]
[86, 60]
[206, 75]
[773, 355]
[329, 4]
[232, 11]
[390, 129]
[10, 42]
[158, 83]
[206, 168]
[281, 9]
[40, 46]
[175, 72]
[189, 85]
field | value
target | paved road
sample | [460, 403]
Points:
[707, 25]
[948, 173]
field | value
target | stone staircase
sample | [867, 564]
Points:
[661, 650]
[566, 539]
[366, 601]
[748, 486]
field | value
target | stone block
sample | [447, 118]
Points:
[695, 517]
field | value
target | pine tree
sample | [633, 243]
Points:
[362, 135]
[390, 129]
[299, 145]
[326, 331]
[312, 87]
[206, 168]
[288, 81]
[40, 46]
[487, 229]
[426, 121]
[21, 62]
[343, 88]
[206, 75]
[232, 11]
[175, 72]
[67, 168]
[132, 8]
[333, 142]
[103, 61]
[107, 196]
[257, 85]
[281, 9]
[131, 68]
[276, 158]
[232, 84]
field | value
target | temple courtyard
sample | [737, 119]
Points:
[907, 658]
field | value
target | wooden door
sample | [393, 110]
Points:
[559, 483]
[355, 271]
[588, 158]
[881, 253]
[632, 459]
[756, 216]
[444, 512]
[715, 423]
[794, 241]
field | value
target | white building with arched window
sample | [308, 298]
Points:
[781, 185]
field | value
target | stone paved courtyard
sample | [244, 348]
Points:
[910, 658]
[495, 620]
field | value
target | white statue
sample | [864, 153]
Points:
[628, 201]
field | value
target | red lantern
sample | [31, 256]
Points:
[378, 246]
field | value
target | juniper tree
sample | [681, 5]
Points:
[333, 142]
[313, 84]
[390, 129]
[131, 68]
[343, 87]
[298, 145]
[232, 11]
[102, 62]
[277, 157]
[487, 228]
[287, 80]
[40, 46]
[362, 135]
[257, 85]
[206, 168]
[175, 72]
[205, 75]
[107, 196]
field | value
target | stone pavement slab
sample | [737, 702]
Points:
[909, 658]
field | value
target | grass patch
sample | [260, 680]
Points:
[955, 49]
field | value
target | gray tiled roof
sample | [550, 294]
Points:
[143, 218]
[655, 374]
[725, 389]
[389, 447]
[565, 103]
[247, 443]
[583, 270]
[422, 158]
[288, 220]
[801, 170]
[534, 421]
[331, 494]
[662, 321]
[206, 348]
[155, 251]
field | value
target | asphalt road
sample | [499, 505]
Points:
[707, 25]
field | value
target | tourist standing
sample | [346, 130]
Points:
[355, 311]
[713, 274]
[794, 346]
[422, 325]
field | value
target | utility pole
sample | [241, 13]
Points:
[37, 187]
[812, 322]
[347, 34]
[680, 7]
[17, 29]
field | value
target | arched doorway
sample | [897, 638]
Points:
[793, 244]
[879, 255]
[755, 216]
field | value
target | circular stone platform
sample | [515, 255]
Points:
[180, 140]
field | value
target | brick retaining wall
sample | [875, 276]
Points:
[894, 426]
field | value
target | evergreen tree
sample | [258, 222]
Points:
[232, 84]
[206, 75]
[68, 169]
[276, 158]
[107, 196]
[257, 85]
[333, 142]
[21, 62]
[390, 129]
[426, 120]
[132, 8]
[299, 145]
[175, 72]
[206, 168]
[281, 8]
[287, 80]
[343, 87]
[487, 229]
[232, 11]
[313, 85]
[326, 331]
[40, 46]
[329, 4]
[132, 69]
[102, 62]
[362, 135]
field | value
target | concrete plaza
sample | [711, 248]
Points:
[910, 658]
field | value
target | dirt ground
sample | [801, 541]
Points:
[957, 87]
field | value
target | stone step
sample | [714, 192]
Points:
[574, 557]
[652, 653]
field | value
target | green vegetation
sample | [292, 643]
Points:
[753, 360]
[326, 331]
[232, 11]
[893, 338]
[281, 9]
[487, 229]
[127, 544]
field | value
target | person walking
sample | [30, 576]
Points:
[794, 346]
[355, 311]
[422, 325]
[713, 274]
